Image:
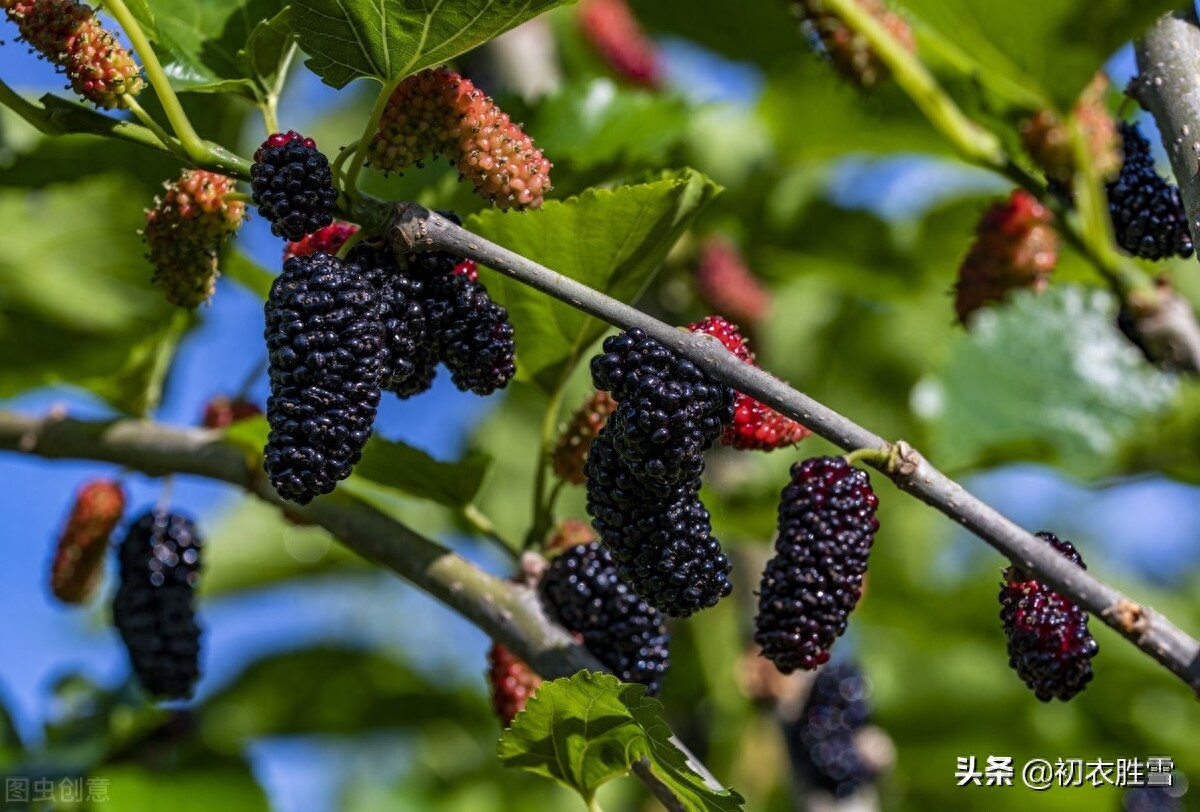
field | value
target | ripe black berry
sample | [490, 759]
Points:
[1049, 644]
[1147, 212]
[292, 185]
[582, 590]
[471, 334]
[326, 352]
[826, 527]
[153, 611]
[822, 739]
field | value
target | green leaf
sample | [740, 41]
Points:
[1046, 376]
[1055, 44]
[221, 46]
[396, 466]
[390, 39]
[612, 240]
[136, 388]
[1169, 443]
[590, 728]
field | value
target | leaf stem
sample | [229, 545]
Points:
[270, 103]
[180, 123]
[172, 145]
[482, 524]
[364, 143]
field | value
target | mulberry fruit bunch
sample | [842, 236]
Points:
[185, 231]
[328, 240]
[222, 412]
[724, 282]
[571, 450]
[755, 425]
[848, 51]
[512, 682]
[327, 355]
[1146, 210]
[822, 739]
[1047, 138]
[1049, 644]
[1015, 247]
[826, 527]
[438, 111]
[79, 557]
[153, 609]
[613, 30]
[583, 591]
[69, 35]
[292, 185]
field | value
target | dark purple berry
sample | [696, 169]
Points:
[1147, 212]
[292, 185]
[822, 739]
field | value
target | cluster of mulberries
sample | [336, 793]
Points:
[614, 31]
[221, 412]
[755, 425]
[69, 35]
[1049, 644]
[328, 240]
[292, 185]
[185, 231]
[512, 682]
[822, 740]
[643, 473]
[848, 51]
[570, 452]
[1147, 212]
[327, 354]
[724, 282]
[583, 591]
[826, 527]
[79, 558]
[1047, 138]
[153, 609]
[438, 112]
[1015, 247]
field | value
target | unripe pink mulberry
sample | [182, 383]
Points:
[613, 30]
[328, 240]
[570, 452]
[185, 232]
[79, 558]
[848, 50]
[439, 112]
[724, 282]
[1015, 247]
[69, 35]
[1047, 137]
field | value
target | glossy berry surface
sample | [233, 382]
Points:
[292, 185]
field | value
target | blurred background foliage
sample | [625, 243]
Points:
[331, 686]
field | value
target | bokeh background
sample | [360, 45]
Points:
[330, 686]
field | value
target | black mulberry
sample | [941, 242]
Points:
[826, 527]
[1147, 212]
[326, 351]
[583, 591]
[153, 611]
[821, 740]
[1049, 644]
[292, 185]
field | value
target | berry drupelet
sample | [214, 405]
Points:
[1147, 212]
[512, 682]
[1049, 644]
[153, 610]
[583, 591]
[327, 359]
[292, 185]
[826, 527]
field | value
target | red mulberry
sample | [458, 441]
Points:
[826, 527]
[1047, 138]
[848, 50]
[1147, 212]
[512, 682]
[1049, 644]
[153, 611]
[292, 185]
[222, 412]
[614, 31]
[79, 558]
[327, 240]
[571, 450]
[724, 282]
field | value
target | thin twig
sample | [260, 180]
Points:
[415, 228]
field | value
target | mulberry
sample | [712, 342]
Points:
[583, 591]
[79, 559]
[613, 30]
[327, 355]
[185, 232]
[292, 185]
[1049, 644]
[327, 240]
[571, 450]
[222, 412]
[437, 111]
[847, 50]
[826, 527]
[724, 282]
[153, 611]
[755, 425]
[1015, 247]
[1047, 138]
[512, 681]
[822, 739]
[69, 35]
[1146, 210]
